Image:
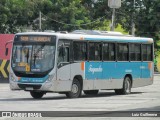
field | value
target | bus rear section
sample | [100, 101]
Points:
[117, 65]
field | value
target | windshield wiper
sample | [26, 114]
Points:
[27, 55]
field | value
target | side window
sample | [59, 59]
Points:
[95, 51]
[147, 52]
[80, 51]
[105, 51]
[63, 52]
[135, 52]
[122, 52]
[91, 51]
[132, 52]
[109, 51]
[144, 52]
[98, 51]
[66, 54]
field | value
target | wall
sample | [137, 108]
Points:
[4, 60]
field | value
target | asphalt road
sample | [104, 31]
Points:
[142, 99]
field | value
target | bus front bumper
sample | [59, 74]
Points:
[46, 86]
[53, 86]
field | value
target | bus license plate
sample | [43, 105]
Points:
[29, 88]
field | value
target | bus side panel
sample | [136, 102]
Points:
[109, 74]
[121, 70]
[132, 68]
[125, 68]
[141, 72]
[78, 69]
[103, 75]
[64, 81]
[146, 70]
[146, 75]
[93, 72]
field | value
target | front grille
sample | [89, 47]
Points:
[24, 86]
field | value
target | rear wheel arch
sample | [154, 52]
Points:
[76, 88]
[130, 76]
[127, 85]
[80, 79]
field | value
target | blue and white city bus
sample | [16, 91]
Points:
[69, 63]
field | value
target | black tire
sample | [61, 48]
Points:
[36, 95]
[76, 90]
[91, 92]
[126, 87]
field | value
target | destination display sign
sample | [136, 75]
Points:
[27, 38]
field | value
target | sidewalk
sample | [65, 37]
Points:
[4, 87]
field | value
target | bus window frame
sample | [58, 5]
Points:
[152, 54]
[64, 45]
[80, 41]
[117, 51]
[109, 42]
[95, 41]
[140, 52]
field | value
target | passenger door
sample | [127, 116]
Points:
[63, 60]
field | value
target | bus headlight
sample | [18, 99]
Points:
[50, 78]
[12, 78]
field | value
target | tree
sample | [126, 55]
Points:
[19, 14]
[66, 15]
[56, 14]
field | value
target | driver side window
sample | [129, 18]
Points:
[63, 55]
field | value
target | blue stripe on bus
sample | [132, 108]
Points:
[119, 40]
[33, 80]
[116, 70]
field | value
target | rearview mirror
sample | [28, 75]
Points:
[6, 52]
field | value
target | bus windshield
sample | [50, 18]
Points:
[33, 58]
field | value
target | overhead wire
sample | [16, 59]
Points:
[60, 22]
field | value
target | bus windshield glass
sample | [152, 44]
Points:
[33, 58]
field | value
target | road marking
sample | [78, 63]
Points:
[2, 69]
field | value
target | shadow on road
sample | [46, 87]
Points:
[155, 108]
[137, 93]
[63, 97]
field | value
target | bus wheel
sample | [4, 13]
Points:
[91, 92]
[126, 87]
[36, 95]
[75, 90]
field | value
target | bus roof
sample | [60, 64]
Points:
[109, 38]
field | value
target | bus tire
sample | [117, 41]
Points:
[126, 87]
[36, 95]
[76, 89]
[91, 92]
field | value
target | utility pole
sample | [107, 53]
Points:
[114, 4]
[113, 17]
[133, 24]
[40, 21]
